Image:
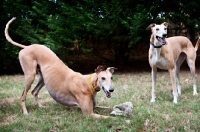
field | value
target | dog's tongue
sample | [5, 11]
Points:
[162, 40]
[108, 94]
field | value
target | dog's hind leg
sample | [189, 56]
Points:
[29, 78]
[179, 62]
[191, 64]
[29, 68]
[38, 87]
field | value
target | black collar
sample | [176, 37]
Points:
[155, 45]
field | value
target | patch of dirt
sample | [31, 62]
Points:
[7, 101]
[8, 119]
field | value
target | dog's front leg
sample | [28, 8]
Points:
[86, 106]
[173, 80]
[102, 107]
[94, 101]
[153, 75]
[101, 116]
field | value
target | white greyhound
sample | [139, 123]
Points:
[169, 54]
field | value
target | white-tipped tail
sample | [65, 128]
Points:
[8, 37]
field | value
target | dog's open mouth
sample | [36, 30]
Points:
[108, 94]
[162, 40]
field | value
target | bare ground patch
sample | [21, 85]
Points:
[7, 101]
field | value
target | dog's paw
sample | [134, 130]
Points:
[153, 100]
[175, 101]
[25, 113]
[195, 93]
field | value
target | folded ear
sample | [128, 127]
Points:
[166, 24]
[111, 69]
[100, 68]
[150, 26]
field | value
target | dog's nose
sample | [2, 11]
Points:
[164, 35]
[111, 90]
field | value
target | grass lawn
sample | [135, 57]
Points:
[135, 87]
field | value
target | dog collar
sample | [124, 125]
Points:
[90, 81]
[155, 45]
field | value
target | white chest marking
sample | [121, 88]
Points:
[158, 60]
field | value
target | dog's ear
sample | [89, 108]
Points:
[100, 68]
[166, 24]
[150, 26]
[111, 69]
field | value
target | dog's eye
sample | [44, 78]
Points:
[103, 78]
[157, 29]
[111, 78]
[165, 28]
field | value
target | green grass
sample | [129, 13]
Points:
[135, 87]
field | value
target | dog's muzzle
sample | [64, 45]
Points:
[162, 40]
[108, 93]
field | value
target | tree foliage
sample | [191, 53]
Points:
[115, 25]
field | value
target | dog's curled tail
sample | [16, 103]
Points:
[197, 44]
[8, 37]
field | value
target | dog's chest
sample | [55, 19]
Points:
[158, 60]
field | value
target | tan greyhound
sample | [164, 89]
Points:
[63, 84]
[169, 54]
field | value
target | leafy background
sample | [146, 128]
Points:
[108, 32]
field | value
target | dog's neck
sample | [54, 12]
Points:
[156, 46]
[93, 83]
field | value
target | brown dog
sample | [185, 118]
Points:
[63, 84]
[169, 54]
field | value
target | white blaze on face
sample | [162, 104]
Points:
[105, 82]
[160, 33]
[159, 30]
